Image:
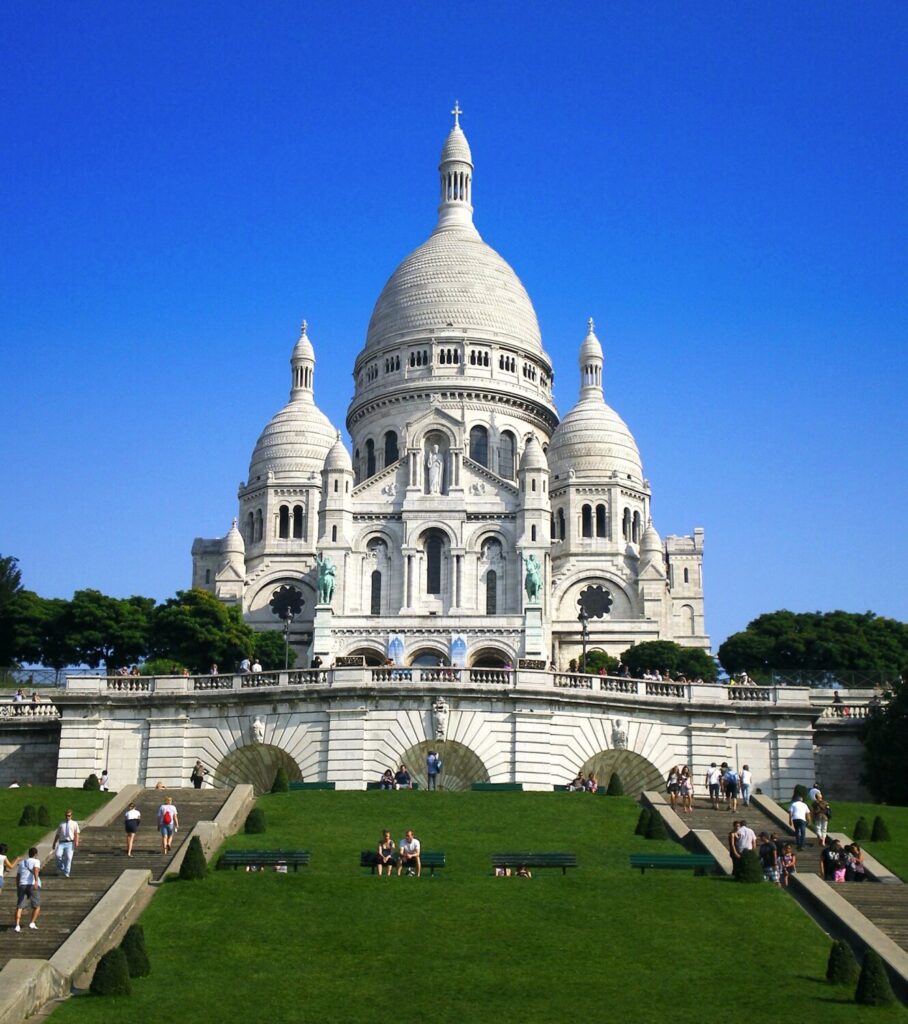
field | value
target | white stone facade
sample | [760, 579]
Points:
[460, 472]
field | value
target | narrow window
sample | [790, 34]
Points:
[532, 533]
[375, 602]
[561, 524]
[491, 592]
[433, 564]
[370, 457]
[335, 487]
[207, 576]
[298, 522]
[586, 521]
[552, 533]
[283, 530]
[259, 525]
[626, 524]
[334, 533]
[507, 447]
[636, 528]
[391, 452]
[250, 529]
[600, 521]
[479, 445]
[686, 576]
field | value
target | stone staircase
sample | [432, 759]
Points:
[97, 864]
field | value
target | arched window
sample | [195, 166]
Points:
[434, 548]
[334, 533]
[298, 522]
[391, 452]
[375, 601]
[259, 525]
[479, 445]
[207, 577]
[626, 524]
[283, 522]
[586, 521]
[601, 526]
[370, 458]
[250, 529]
[552, 532]
[686, 576]
[507, 448]
[688, 621]
[561, 524]
[635, 528]
[491, 592]
[532, 533]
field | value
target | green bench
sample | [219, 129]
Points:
[311, 785]
[535, 860]
[697, 862]
[264, 858]
[500, 787]
[430, 859]
[377, 785]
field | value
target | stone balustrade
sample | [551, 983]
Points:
[27, 711]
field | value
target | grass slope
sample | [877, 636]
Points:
[20, 838]
[893, 854]
[335, 944]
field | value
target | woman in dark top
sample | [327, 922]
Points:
[386, 855]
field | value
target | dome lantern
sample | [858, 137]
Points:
[302, 366]
[456, 172]
[591, 361]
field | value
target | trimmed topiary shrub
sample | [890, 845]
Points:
[281, 782]
[112, 975]
[861, 829]
[643, 821]
[842, 967]
[656, 827]
[194, 865]
[800, 793]
[92, 782]
[133, 946]
[29, 815]
[255, 822]
[615, 788]
[43, 816]
[873, 984]
[747, 868]
[880, 833]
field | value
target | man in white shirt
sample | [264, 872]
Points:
[66, 841]
[745, 838]
[28, 888]
[409, 854]
[256, 666]
[713, 777]
[168, 823]
[798, 816]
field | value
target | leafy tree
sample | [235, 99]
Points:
[818, 641]
[106, 629]
[886, 749]
[269, 649]
[10, 579]
[596, 660]
[195, 629]
[667, 656]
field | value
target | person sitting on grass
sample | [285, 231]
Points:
[386, 854]
[409, 855]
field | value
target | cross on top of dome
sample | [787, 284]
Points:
[456, 112]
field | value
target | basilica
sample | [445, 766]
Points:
[468, 524]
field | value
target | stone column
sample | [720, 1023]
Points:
[346, 735]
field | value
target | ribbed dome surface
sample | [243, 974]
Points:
[594, 442]
[454, 280]
[456, 147]
[295, 441]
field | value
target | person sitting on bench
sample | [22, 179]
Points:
[402, 778]
[387, 779]
[386, 856]
[409, 855]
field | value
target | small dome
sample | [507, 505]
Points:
[595, 443]
[651, 543]
[296, 442]
[590, 349]
[338, 458]
[303, 348]
[456, 147]
[232, 543]
[533, 456]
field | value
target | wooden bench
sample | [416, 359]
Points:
[430, 859]
[698, 862]
[498, 787]
[535, 860]
[310, 785]
[264, 858]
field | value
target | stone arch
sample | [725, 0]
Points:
[374, 655]
[259, 598]
[426, 651]
[634, 770]
[420, 529]
[491, 656]
[568, 590]
[255, 764]
[434, 427]
[460, 766]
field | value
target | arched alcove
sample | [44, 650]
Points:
[255, 764]
[460, 767]
[635, 772]
[490, 657]
[428, 657]
[373, 657]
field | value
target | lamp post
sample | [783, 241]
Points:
[288, 619]
[584, 619]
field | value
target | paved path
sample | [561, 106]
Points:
[97, 864]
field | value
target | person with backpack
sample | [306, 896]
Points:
[730, 785]
[168, 823]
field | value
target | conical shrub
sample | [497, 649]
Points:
[747, 868]
[194, 865]
[281, 782]
[255, 822]
[133, 945]
[43, 816]
[643, 821]
[842, 967]
[861, 829]
[615, 788]
[29, 815]
[92, 782]
[112, 975]
[656, 827]
[880, 833]
[873, 984]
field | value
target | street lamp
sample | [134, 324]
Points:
[584, 619]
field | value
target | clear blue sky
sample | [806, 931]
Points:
[722, 186]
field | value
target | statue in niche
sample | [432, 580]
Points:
[533, 580]
[619, 734]
[258, 730]
[326, 578]
[434, 466]
[440, 717]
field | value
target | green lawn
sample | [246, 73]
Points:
[20, 837]
[335, 944]
[893, 854]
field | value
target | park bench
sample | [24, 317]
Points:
[535, 860]
[499, 787]
[264, 858]
[698, 862]
[377, 785]
[430, 859]
[310, 785]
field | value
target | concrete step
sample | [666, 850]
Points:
[885, 905]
